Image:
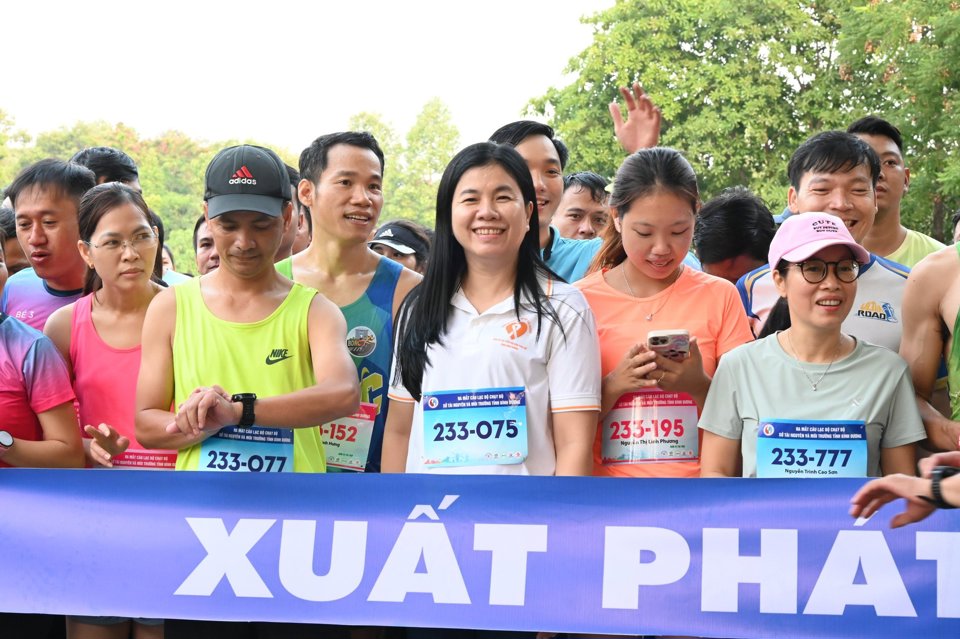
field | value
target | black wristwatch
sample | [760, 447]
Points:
[936, 476]
[247, 399]
[6, 440]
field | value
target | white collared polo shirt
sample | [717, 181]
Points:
[557, 370]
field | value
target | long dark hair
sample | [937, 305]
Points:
[99, 201]
[422, 319]
[646, 172]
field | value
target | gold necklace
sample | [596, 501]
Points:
[813, 384]
[649, 316]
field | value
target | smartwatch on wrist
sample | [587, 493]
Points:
[936, 476]
[247, 418]
[6, 441]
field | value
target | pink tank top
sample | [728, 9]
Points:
[105, 382]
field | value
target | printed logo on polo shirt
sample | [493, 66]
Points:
[243, 176]
[361, 341]
[882, 311]
[514, 331]
[277, 355]
[517, 329]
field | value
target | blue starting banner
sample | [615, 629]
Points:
[709, 558]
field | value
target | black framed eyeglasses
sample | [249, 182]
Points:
[815, 270]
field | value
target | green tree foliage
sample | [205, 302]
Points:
[9, 138]
[431, 143]
[902, 59]
[413, 169]
[171, 168]
[740, 86]
[172, 165]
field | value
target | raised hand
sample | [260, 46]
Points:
[641, 129]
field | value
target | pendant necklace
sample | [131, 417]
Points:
[649, 316]
[813, 384]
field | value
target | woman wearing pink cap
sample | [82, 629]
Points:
[808, 400]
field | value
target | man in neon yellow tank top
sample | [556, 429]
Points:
[253, 361]
[341, 183]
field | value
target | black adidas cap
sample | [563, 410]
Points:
[246, 178]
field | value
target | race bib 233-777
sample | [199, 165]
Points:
[813, 448]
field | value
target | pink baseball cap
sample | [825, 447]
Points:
[801, 235]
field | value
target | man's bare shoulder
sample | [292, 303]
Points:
[938, 269]
[935, 284]
[408, 281]
[163, 302]
[322, 306]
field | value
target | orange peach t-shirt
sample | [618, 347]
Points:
[653, 433]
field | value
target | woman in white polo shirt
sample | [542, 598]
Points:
[497, 365]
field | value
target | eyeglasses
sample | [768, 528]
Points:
[138, 243]
[815, 271]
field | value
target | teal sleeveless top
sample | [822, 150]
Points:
[370, 342]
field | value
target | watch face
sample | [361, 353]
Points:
[6, 439]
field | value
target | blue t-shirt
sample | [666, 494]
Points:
[173, 278]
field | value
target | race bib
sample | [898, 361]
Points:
[794, 448]
[474, 427]
[650, 426]
[147, 459]
[248, 450]
[346, 441]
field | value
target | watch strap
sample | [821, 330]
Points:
[936, 476]
[247, 417]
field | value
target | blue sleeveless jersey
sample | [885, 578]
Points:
[370, 342]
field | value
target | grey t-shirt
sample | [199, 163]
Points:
[760, 381]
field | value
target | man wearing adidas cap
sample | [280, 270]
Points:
[836, 172]
[253, 361]
[341, 182]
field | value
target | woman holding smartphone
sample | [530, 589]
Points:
[663, 327]
[809, 400]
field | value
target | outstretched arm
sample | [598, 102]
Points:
[872, 496]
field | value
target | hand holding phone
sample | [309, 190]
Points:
[673, 344]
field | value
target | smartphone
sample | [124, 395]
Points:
[673, 344]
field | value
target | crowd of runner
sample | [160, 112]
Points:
[546, 325]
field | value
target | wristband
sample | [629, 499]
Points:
[936, 476]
